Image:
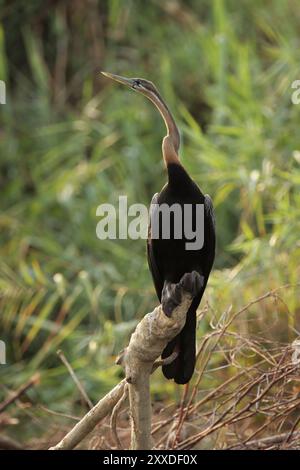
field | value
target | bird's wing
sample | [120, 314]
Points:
[209, 209]
[152, 262]
[210, 230]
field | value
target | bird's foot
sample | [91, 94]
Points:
[192, 283]
[172, 293]
[171, 297]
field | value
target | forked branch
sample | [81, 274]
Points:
[147, 342]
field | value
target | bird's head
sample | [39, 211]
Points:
[148, 89]
[140, 85]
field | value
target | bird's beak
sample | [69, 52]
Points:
[125, 81]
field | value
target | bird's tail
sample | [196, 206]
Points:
[182, 368]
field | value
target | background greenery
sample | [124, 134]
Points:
[70, 140]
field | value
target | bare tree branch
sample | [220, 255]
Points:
[91, 419]
[147, 342]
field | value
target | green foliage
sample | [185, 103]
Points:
[70, 140]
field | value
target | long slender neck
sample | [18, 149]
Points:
[171, 141]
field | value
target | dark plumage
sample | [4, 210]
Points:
[169, 260]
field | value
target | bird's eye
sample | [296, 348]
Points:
[136, 84]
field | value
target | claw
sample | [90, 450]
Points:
[171, 295]
[192, 282]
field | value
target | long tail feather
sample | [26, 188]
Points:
[182, 368]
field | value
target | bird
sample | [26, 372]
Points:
[168, 258]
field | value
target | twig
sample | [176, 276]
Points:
[266, 441]
[75, 379]
[114, 417]
[221, 422]
[182, 415]
[6, 443]
[57, 413]
[292, 431]
[15, 395]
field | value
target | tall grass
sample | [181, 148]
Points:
[69, 141]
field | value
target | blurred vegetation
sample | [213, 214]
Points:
[71, 140]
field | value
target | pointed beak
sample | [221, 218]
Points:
[125, 81]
